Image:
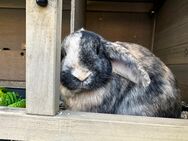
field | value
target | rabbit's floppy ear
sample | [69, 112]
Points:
[126, 65]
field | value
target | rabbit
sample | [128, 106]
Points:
[101, 76]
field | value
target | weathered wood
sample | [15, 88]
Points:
[43, 40]
[70, 126]
[12, 65]
[180, 72]
[12, 28]
[130, 27]
[77, 14]
[12, 84]
[172, 32]
[119, 6]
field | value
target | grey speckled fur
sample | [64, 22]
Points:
[117, 78]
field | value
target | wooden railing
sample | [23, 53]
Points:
[41, 119]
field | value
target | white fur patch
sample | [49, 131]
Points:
[72, 48]
[81, 73]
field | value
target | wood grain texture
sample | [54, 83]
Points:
[129, 27]
[12, 3]
[12, 65]
[171, 43]
[70, 126]
[43, 41]
[181, 74]
[12, 28]
[12, 84]
[77, 14]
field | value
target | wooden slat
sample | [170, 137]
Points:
[181, 72]
[69, 126]
[43, 41]
[119, 6]
[12, 3]
[12, 84]
[77, 14]
[12, 65]
[12, 28]
[130, 27]
[171, 42]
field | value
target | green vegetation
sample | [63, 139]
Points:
[11, 99]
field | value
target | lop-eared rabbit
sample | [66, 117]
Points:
[115, 77]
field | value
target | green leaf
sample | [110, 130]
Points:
[19, 104]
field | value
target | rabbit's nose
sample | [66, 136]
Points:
[81, 74]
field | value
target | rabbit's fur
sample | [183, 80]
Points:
[115, 77]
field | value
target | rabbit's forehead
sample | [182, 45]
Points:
[72, 47]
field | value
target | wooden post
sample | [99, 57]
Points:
[77, 14]
[43, 39]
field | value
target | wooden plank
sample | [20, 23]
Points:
[129, 27]
[172, 32]
[12, 65]
[43, 40]
[180, 71]
[12, 84]
[70, 126]
[77, 14]
[12, 28]
[12, 3]
[119, 6]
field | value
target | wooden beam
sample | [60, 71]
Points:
[70, 126]
[43, 40]
[77, 14]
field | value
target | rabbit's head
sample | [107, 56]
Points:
[88, 62]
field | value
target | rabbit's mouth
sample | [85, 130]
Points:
[93, 81]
